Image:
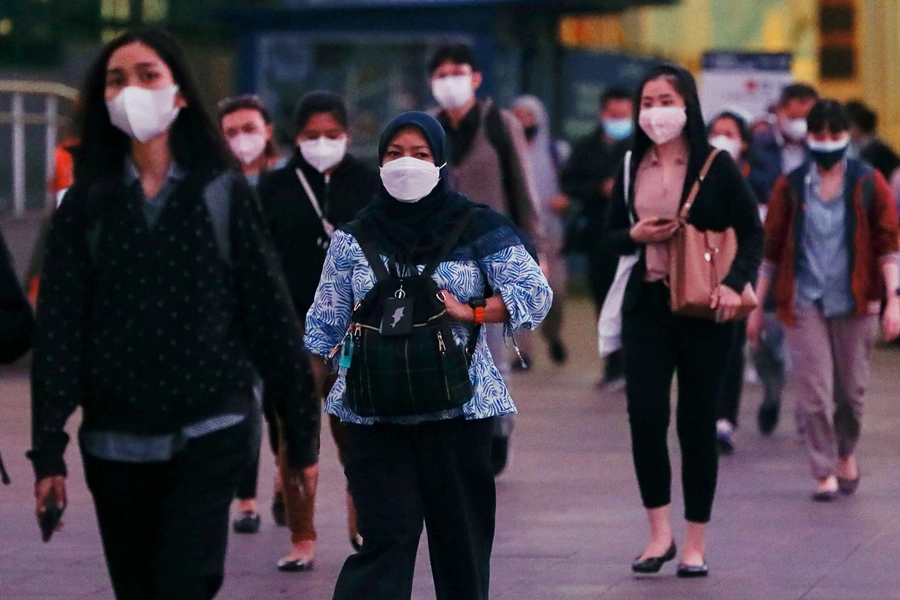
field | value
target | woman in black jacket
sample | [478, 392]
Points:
[160, 293]
[320, 189]
[670, 150]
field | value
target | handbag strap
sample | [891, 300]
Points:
[686, 209]
[326, 224]
[627, 183]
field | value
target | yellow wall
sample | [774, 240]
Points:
[684, 32]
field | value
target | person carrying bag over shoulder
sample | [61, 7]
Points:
[678, 188]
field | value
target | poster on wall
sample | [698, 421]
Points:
[748, 81]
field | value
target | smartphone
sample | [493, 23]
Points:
[50, 518]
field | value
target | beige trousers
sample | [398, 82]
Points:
[832, 363]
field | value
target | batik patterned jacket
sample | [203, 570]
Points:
[511, 272]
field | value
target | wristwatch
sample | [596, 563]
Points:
[478, 304]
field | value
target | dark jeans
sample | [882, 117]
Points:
[164, 525]
[656, 345]
[733, 386]
[403, 476]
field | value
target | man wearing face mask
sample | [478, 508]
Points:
[587, 179]
[488, 162]
[321, 188]
[776, 151]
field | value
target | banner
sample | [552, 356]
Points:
[748, 81]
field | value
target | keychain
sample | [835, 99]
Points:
[346, 352]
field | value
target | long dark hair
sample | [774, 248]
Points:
[695, 129]
[194, 139]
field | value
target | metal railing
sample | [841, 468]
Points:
[18, 118]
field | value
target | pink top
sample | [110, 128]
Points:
[656, 195]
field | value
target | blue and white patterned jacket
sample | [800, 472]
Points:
[347, 277]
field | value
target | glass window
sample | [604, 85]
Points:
[115, 10]
[155, 10]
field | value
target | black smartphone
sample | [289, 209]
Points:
[50, 518]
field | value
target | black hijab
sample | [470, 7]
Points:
[412, 233]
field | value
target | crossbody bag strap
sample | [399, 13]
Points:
[326, 224]
[686, 209]
[370, 250]
[449, 242]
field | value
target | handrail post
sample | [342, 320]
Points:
[18, 150]
[52, 113]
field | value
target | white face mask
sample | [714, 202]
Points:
[795, 130]
[729, 145]
[453, 92]
[141, 113]
[409, 179]
[324, 153]
[663, 123]
[247, 147]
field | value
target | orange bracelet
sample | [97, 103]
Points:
[479, 315]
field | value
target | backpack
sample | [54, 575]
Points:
[399, 351]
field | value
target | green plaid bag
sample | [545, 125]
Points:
[399, 351]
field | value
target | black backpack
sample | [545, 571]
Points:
[399, 351]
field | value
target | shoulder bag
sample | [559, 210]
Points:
[700, 260]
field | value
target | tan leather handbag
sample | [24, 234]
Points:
[700, 260]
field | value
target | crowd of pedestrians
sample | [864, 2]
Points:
[197, 284]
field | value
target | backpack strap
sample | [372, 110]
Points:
[369, 250]
[449, 242]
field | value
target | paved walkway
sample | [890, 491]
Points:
[569, 518]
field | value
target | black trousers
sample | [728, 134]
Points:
[657, 344]
[164, 525]
[733, 385]
[402, 476]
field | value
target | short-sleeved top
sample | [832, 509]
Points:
[347, 278]
[654, 196]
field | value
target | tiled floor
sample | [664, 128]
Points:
[569, 518]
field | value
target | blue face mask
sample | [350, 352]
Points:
[618, 129]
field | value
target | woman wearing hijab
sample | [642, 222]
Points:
[432, 469]
[670, 150]
[545, 155]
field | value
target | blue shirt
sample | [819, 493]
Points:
[347, 277]
[823, 273]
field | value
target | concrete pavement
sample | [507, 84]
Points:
[569, 517]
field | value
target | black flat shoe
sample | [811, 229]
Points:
[826, 496]
[848, 486]
[653, 564]
[295, 566]
[691, 571]
[769, 410]
[248, 522]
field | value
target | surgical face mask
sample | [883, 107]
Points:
[618, 129]
[453, 92]
[729, 145]
[141, 113]
[324, 153]
[409, 179]
[828, 154]
[247, 147]
[794, 129]
[663, 123]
